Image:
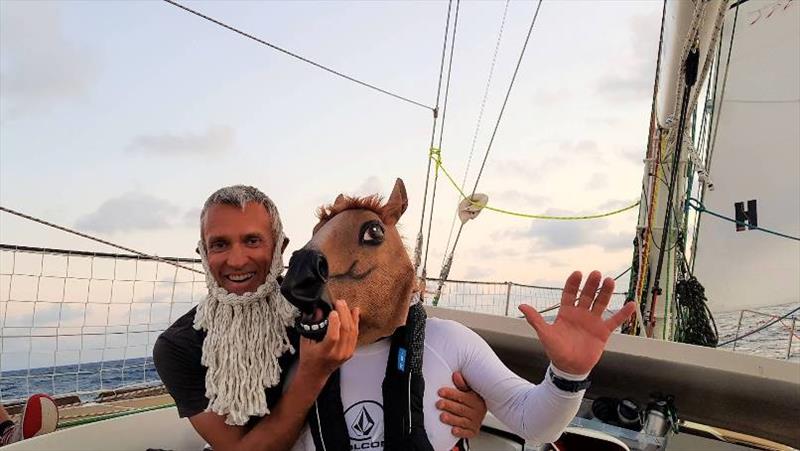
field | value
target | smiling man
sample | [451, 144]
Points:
[225, 361]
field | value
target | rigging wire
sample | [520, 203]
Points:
[446, 267]
[441, 136]
[505, 100]
[690, 73]
[652, 153]
[694, 203]
[299, 57]
[478, 122]
[99, 240]
[419, 243]
[717, 114]
[722, 92]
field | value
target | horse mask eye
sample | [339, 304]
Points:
[372, 233]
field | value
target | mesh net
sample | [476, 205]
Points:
[82, 323]
[74, 322]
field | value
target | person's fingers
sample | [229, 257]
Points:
[589, 290]
[453, 420]
[623, 314]
[343, 349]
[463, 433]
[453, 394]
[534, 318]
[451, 407]
[353, 333]
[459, 382]
[468, 398]
[571, 287]
[601, 302]
[334, 329]
[344, 315]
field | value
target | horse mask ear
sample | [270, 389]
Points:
[397, 204]
[339, 200]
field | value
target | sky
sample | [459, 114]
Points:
[119, 119]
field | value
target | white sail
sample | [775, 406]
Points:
[756, 157]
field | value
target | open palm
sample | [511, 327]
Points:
[575, 341]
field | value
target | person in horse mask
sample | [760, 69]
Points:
[378, 399]
[224, 362]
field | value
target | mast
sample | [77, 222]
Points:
[688, 38]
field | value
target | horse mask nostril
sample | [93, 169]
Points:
[305, 279]
[305, 287]
[322, 268]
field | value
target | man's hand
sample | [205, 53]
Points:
[319, 359]
[462, 408]
[575, 341]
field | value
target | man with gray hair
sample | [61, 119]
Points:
[225, 362]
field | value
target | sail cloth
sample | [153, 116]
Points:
[756, 157]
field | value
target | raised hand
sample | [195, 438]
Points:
[575, 341]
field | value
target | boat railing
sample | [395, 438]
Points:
[81, 322]
[501, 298]
[773, 333]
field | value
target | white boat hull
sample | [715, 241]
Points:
[154, 429]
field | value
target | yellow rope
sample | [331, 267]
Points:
[645, 267]
[436, 156]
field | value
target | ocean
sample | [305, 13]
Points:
[89, 379]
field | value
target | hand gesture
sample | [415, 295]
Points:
[575, 341]
[319, 359]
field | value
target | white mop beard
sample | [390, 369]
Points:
[245, 336]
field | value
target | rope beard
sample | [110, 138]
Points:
[245, 336]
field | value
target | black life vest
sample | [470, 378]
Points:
[403, 391]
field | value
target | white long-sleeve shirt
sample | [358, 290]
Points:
[538, 413]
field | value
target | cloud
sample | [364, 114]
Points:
[477, 273]
[192, 217]
[547, 96]
[131, 211]
[625, 87]
[584, 146]
[40, 65]
[633, 78]
[214, 140]
[561, 235]
[634, 155]
[371, 185]
[525, 168]
[518, 197]
[597, 181]
[614, 204]
[492, 252]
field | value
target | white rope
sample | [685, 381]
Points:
[716, 34]
[689, 42]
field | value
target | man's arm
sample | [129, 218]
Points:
[276, 431]
[280, 429]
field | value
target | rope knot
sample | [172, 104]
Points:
[436, 156]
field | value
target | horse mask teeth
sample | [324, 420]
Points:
[305, 287]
